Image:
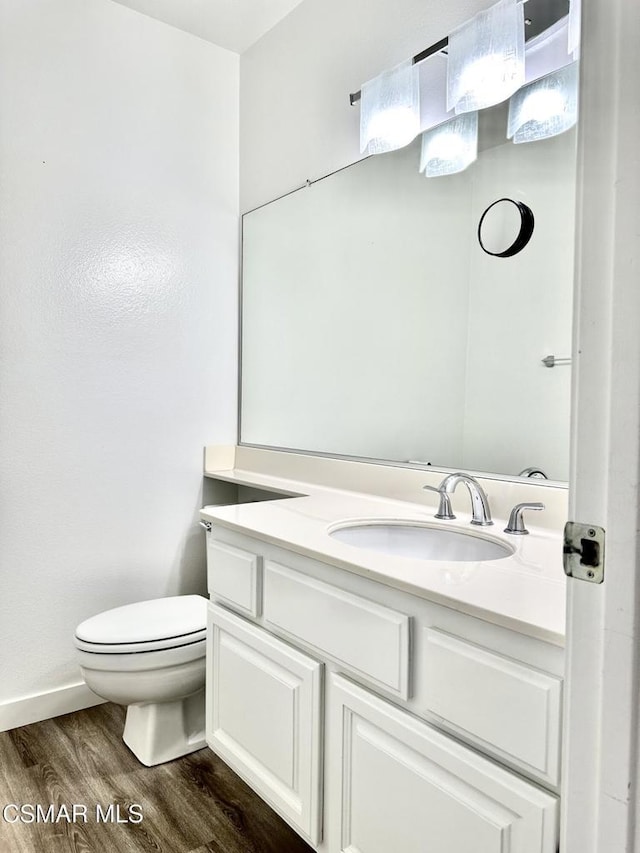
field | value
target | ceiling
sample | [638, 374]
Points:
[233, 24]
[237, 24]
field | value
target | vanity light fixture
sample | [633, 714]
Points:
[547, 6]
[547, 51]
[390, 110]
[486, 58]
[480, 64]
[450, 147]
[575, 25]
[544, 53]
[433, 92]
[545, 108]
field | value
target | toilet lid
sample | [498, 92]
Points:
[159, 623]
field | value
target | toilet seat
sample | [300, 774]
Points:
[143, 660]
[139, 648]
[146, 626]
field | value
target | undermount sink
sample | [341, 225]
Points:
[408, 539]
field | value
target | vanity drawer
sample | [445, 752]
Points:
[233, 576]
[368, 639]
[506, 707]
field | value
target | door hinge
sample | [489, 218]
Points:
[583, 553]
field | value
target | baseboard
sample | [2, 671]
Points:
[42, 706]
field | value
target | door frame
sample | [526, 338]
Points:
[600, 809]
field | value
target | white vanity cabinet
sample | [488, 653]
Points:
[376, 721]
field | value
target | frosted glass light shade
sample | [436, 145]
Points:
[545, 108]
[486, 58]
[450, 147]
[390, 110]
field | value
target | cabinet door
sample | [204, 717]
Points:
[406, 787]
[263, 717]
[233, 576]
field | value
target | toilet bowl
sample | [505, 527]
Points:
[150, 656]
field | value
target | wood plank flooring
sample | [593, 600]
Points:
[195, 804]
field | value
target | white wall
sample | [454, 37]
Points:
[118, 261]
[295, 119]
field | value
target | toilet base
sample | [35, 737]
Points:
[156, 732]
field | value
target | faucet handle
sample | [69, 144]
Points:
[516, 521]
[535, 472]
[444, 507]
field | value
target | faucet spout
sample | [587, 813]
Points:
[480, 512]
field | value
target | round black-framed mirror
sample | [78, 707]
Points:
[505, 228]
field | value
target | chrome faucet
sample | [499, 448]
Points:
[480, 512]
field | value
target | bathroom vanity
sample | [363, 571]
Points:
[382, 703]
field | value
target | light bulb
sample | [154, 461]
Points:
[542, 104]
[450, 147]
[394, 127]
[447, 146]
[483, 81]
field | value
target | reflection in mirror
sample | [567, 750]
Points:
[373, 324]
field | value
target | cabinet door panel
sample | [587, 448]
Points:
[406, 787]
[365, 637]
[507, 707]
[264, 715]
[233, 576]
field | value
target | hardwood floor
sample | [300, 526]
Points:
[193, 805]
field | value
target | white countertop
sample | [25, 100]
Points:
[524, 592]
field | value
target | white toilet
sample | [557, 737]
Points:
[150, 656]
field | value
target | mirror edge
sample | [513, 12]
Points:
[413, 466]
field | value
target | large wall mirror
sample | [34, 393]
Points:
[374, 325]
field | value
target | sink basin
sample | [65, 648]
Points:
[407, 539]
